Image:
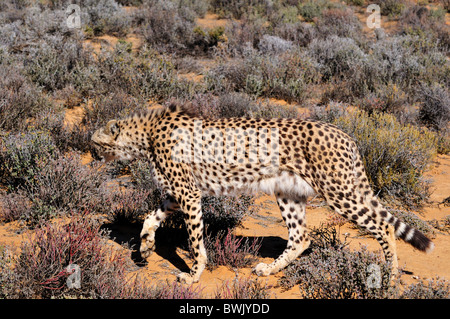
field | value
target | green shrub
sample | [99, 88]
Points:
[56, 187]
[337, 57]
[395, 156]
[8, 279]
[435, 109]
[226, 249]
[105, 108]
[338, 274]
[340, 22]
[355, 2]
[167, 25]
[243, 35]
[239, 8]
[243, 288]
[20, 99]
[127, 207]
[284, 76]
[59, 62]
[310, 10]
[106, 17]
[21, 155]
[41, 267]
[437, 288]
[391, 8]
[406, 60]
[331, 271]
[443, 143]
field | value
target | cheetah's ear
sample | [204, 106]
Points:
[112, 128]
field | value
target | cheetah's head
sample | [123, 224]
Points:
[110, 143]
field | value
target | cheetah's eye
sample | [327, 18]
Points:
[112, 128]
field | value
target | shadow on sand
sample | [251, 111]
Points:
[169, 240]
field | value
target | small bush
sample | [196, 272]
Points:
[399, 62]
[219, 213]
[339, 22]
[395, 156]
[65, 184]
[338, 274]
[243, 288]
[65, 137]
[20, 100]
[337, 57]
[69, 96]
[235, 105]
[299, 33]
[105, 16]
[405, 60]
[112, 106]
[283, 76]
[42, 264]
[332, 271]
[238, 105]
[15, 206]
[8, 279]
[156, 78]
[205, 105]
[391, 8]
[273, 45]
[433, 289]
[239, 8]
[20, 155]
[228, 250]
[59, 62]
[166, 25]
[310, 10]
[128, 206]
[435, 109]
[46, 182]
[386, 98]
[174, 290]
[324, 237]
[242, 36]
[226, 212]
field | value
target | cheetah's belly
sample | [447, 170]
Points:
[283, 182]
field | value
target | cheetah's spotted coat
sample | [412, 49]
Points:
[310, 157]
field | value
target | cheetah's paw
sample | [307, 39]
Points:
[262, 269]
[185, 278]
[147, 246]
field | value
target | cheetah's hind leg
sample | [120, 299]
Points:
[293, 213]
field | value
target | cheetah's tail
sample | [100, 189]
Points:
[404, 231]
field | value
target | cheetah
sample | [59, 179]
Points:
[293, 159]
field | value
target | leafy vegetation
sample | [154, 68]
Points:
[395, 156]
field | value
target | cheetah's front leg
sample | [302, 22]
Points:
[151, 223]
